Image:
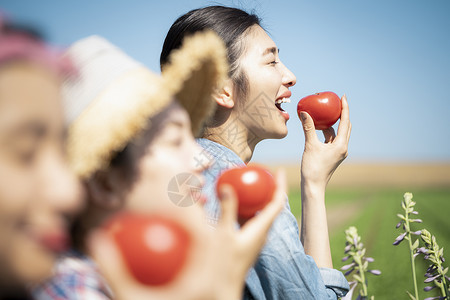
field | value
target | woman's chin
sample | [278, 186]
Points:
[277, 135]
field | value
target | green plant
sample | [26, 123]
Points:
[405, 223]
[435, 273]
[355, 252]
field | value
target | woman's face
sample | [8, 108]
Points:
[37, 192]
[167, 172]
[269, 81]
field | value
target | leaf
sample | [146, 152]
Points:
[365, 265]
[401, 217]
[416, 244]
[403, 205]
[363, 252]
[358, 278]
[411, 296]
[349, 239]
[425, 238]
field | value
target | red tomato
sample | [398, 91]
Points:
[324, 108]
[253, 185]
[154, 248]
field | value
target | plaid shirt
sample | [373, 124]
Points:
[76, 277]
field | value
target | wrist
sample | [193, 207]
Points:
[312, 188]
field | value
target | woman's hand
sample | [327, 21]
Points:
[219, 259]
[320, 160]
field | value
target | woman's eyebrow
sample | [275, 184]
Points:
[273, 50]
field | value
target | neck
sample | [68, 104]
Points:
[90, 219]
[234, 135]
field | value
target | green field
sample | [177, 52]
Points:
[375, 218]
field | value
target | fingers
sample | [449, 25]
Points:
[229, 205]
[329, 135]
[105, 253]
[308, 127]
[344, 125]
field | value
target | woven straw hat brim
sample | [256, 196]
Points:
[122, 110]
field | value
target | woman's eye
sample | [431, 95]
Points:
[27, 157]
[273, 63]
[26, 146]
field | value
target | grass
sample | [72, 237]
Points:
[375, 220]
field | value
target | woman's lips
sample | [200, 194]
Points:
[285, 115]
[283, 98]
[278, 103]
[57, 241]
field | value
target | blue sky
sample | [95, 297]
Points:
[391, 59]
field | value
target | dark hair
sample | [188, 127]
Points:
[228, 22]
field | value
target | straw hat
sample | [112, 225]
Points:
[112, 96]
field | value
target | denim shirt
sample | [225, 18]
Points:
[283, 270]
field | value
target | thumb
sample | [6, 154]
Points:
[308, 126]
[107, 256]
[229, 205]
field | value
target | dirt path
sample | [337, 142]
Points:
[339, 215]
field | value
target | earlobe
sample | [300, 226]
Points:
[224, 96]
[104, 191]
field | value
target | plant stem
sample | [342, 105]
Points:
[444, 287]
[411, 254]
[362, 275]
[444, 290]
[413, 267]
[364, 286]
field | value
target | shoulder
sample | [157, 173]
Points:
[75, 277]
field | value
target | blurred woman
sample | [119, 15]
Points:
[38, 194]
[130, 135]
[249, 110]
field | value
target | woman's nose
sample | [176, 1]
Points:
[289, 78]
[61, 189]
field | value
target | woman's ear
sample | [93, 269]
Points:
[224, 96]
[106, 189]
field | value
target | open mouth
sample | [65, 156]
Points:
[280, 101]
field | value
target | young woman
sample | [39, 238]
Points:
[38, 194]
[128, 139]
[249, 111]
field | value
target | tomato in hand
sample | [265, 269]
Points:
[254, 187]
[324, 108]
[154, 247]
